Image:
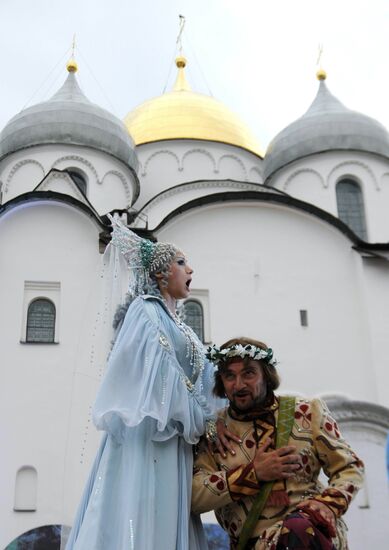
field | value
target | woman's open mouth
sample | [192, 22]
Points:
[188, 283]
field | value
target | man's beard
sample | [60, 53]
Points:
[254, 404]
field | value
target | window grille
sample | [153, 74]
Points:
[350, 206]
[40, 321]
[194, 317]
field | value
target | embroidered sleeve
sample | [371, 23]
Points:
[242, 482]
[209, 486]
[341, 465]
[214, 487]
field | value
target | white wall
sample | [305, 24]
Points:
[40, 384]
[374, 281]
[367, 517]
[262, 263]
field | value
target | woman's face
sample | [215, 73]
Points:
[179, 278]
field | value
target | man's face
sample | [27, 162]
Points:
[244, 385]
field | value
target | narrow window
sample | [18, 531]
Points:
[303, 317]
[350, 206]
[40, 321]
[362, 499]
[78, 179]
[26, 486]
[194, 317]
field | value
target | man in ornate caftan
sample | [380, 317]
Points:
[278, 479]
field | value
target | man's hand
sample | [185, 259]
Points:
[324, 512]
[274, 465]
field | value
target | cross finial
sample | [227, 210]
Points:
[73, 44]
[321, 74]
[319, 55]
[72, 65]
[179, 37]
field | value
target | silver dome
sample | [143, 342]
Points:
[327, 125]
[68, 118]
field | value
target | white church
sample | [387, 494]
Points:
[290, 247]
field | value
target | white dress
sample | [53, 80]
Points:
[139, 490]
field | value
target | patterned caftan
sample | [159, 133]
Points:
[229, 485]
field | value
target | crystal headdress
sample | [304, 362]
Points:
[144, 258]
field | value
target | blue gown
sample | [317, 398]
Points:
[138, 493]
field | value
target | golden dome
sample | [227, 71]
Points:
[184, 114]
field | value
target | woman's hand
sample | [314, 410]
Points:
[224, 438]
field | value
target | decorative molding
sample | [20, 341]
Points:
[42, 285]
[381, 178]
[202, 151]
[225, 184]
[302, 171]
[348, 411]
[358, 163]
[82, 160]
[258, 171]
[237, 159]
[122, 178]
[44, 185]
[53, 176]
[161, 152]
[17, 166]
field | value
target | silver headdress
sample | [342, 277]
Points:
[144, 258]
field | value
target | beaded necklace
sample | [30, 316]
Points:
[194, 348]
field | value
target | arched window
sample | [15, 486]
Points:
[41, 321]
[350, 206]
[194, 317]
[26, 487]
[78, 178]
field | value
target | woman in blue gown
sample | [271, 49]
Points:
[153, 405]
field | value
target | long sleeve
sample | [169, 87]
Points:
[144, 379]
[209, 486]
[340, 464]
[214, 486]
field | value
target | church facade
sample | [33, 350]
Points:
[290, 247]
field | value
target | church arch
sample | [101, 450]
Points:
[163, 153]
[201, 154]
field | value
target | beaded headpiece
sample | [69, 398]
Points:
[219, 356]
[144, 258]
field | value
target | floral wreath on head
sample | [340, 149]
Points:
[218, 356]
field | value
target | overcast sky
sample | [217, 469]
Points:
[259, 58]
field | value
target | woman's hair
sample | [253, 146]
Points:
[271, 376]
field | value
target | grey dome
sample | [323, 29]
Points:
[327, 125]
[68, 118]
